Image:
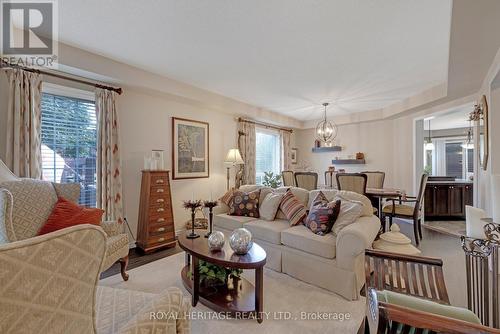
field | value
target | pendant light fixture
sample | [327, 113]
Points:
[326, 131]
[469, 144]
[429, 145]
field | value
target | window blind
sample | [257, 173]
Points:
[69, 143]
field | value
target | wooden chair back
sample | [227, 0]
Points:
[375, 179]
[389, 318]
[306, 180]
[420, 196]
[329, 179]
[355, 182]
[288, 178]
[411, 275]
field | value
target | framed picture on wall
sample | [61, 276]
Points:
[190, 153]
[293, 155]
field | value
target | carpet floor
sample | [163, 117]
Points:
[284, 297]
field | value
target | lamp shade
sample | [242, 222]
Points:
[233, 156]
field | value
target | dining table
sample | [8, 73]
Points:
[380, 193]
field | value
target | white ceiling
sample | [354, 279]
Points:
[287, 56]
[455, 118]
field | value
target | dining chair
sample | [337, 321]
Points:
[306, 180]
[329, 177]
[288, 178]
[375, 179]
[409, 207]
[355, 182]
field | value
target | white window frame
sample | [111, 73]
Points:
[54, 89]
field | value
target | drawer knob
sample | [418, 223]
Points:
[159, 181]
[161, 239]
[160, 220]
[159, 190]
[160, 210]
[160, 200]
[161, 229]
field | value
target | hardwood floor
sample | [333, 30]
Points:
[434, 244]
[137, 259]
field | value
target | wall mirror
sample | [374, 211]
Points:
[483, 132]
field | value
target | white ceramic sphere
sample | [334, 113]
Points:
[241, 241]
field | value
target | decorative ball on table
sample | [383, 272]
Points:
[210, 205]
[192, 205]
[216, 241]
[241, 241]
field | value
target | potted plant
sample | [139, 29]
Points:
[271, 180]
[213, 275]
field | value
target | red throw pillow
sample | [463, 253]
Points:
[66, 214]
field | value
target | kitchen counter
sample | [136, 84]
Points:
[457, 181]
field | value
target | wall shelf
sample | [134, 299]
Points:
[326, 149]
[349, 162]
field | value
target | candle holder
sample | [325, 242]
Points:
[210, 205]
[192, 205]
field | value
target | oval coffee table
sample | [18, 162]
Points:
[242, 300]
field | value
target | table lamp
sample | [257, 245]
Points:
[233, 158]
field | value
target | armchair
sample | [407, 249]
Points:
[25, 205]
[49, 285]
[409, 207]
[407, 294]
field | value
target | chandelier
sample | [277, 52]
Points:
[326, 131]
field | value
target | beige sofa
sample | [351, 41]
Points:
[49, 285]
[333, 262]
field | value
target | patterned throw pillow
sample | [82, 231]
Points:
[322, 215]
[293, 208]
[227, 197]
[245, 204]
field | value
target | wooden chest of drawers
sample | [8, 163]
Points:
[156, 219]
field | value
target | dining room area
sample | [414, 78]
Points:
[388, 203]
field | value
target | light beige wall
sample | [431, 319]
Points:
[146, 124]
[4, 97]
[375, 139]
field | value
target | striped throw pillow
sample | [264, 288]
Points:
[293, 209]
[227, 197]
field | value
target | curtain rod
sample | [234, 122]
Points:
[264, 124]
[4, 64]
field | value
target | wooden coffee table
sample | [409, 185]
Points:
[241, 300]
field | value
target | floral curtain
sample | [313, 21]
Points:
[24, 117]
[247, 150]
[286, 157]
[109, 179]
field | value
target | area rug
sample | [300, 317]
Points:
[453, 228]
[291, 306]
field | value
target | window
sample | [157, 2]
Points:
[267, 153]
[69, 143]
[449, 157]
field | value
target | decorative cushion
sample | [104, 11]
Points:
[270, 205]
[264, 190]
[301, 194]
[294, 210]
[66, 214]
[350, 211]
[299, 237]
[226, 198]
[322, 215]
[245, 204]
[365, 201]
[328, 193]
[423, 305]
